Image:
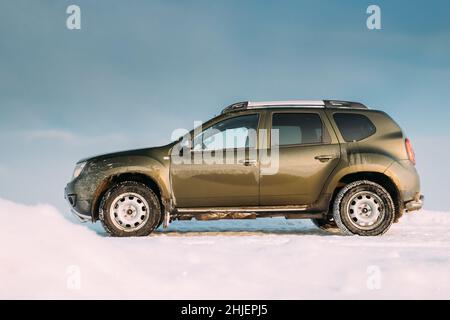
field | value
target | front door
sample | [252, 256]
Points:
[307, 154]
[223, 170]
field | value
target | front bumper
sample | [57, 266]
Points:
[80, 209]
[80, 216]
[415, 204]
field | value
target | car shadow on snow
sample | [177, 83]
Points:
[237, 233]
[234, 228]
[263, 226]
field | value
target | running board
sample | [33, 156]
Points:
[245, 209]
[289, 212]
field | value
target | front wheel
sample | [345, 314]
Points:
[130, 209]
[363, 208]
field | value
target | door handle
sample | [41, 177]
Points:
[248, 162]
[325, 157]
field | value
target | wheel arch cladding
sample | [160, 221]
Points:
[111, 181]
[380, 178]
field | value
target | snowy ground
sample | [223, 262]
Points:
[46, 255]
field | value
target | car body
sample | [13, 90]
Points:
[321, 147]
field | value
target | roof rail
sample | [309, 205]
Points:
[235, 107]
[245, 105]
[287, 103]
[344, 104]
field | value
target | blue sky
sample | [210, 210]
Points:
[139, 69]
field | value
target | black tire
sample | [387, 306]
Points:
[326, 224]
[381, 205]
[152, 210]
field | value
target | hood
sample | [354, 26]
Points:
[148, 152]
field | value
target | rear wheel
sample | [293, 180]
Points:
[130, 209]
[363, 208]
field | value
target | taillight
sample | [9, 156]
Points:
[410, 151]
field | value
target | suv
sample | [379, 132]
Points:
[339, 163]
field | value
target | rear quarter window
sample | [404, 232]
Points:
[354, 126]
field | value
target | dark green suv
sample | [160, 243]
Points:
[339, 163]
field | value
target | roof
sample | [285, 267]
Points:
[246, 105]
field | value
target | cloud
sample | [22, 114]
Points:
[51, 134]
[64, 136]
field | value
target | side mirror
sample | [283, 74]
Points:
[185, 143]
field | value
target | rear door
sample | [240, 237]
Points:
[308, 151]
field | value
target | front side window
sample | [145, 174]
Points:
[232, 133]
[297, 128]
[354, 126]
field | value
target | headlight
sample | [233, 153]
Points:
[78, 168]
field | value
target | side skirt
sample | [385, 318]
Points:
[289, 212]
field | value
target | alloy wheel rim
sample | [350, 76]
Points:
[129, 211]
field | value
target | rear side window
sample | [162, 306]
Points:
[297, 128]
[353, 126]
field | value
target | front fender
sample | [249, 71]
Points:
[98, 176]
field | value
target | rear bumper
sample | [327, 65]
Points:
[415, 204]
